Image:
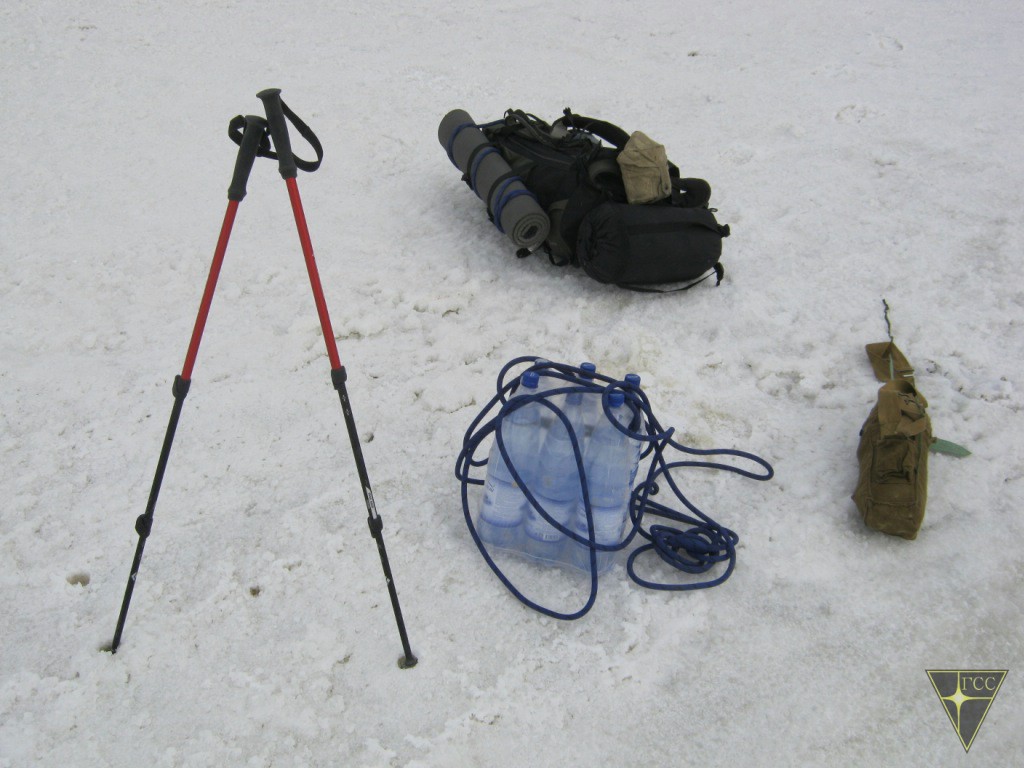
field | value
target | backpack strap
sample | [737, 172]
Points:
[494, 188]
[717, 270]
[600, 128]
[686, 193]
[473, 162]
[516, 121]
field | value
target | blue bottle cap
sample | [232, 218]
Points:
[633, 378]
[530, 379]
[616, 399]
[589, 368]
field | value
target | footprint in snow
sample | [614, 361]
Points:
[889, 43]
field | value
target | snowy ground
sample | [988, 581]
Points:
[859, 151]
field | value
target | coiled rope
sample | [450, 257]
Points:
[695, 549]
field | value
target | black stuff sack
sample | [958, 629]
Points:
[638, 246]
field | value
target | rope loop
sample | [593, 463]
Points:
[698, 546]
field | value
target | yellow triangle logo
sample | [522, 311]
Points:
[966, 695]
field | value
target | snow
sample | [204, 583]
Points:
[858, 151]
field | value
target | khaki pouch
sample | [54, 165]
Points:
[645, 174]
[892, 486]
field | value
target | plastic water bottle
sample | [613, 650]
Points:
[608, 464]
[607, 530]
[504, 504]
[592, 412]
[633, 380]
[557, 483]
[545, 383]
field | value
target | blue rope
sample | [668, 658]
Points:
[698, 549]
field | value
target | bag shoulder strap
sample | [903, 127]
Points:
[901, 408]
[600, 128]
[888, 362]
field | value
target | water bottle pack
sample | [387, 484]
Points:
[561, 478]
[547, 454]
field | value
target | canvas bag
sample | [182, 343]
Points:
[645, 171]
[892, 486]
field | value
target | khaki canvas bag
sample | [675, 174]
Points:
[893, 453]
[645, 173]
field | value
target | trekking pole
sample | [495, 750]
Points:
[287, 163]
[253, 134]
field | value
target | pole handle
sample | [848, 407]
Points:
[250, 134]
[271, 98]
[278, 117]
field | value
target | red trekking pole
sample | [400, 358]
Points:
[251, 134]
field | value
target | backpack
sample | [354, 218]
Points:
[620, 211]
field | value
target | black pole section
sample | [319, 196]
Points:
[248, 147]
[271, 98]
[144, 523]
[374, 521]
[277, 114]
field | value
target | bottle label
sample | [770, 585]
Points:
[503, 503]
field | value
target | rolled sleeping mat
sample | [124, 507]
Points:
[512, 206]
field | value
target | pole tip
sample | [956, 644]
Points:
[407, 662]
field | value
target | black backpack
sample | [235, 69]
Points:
[577, 181]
